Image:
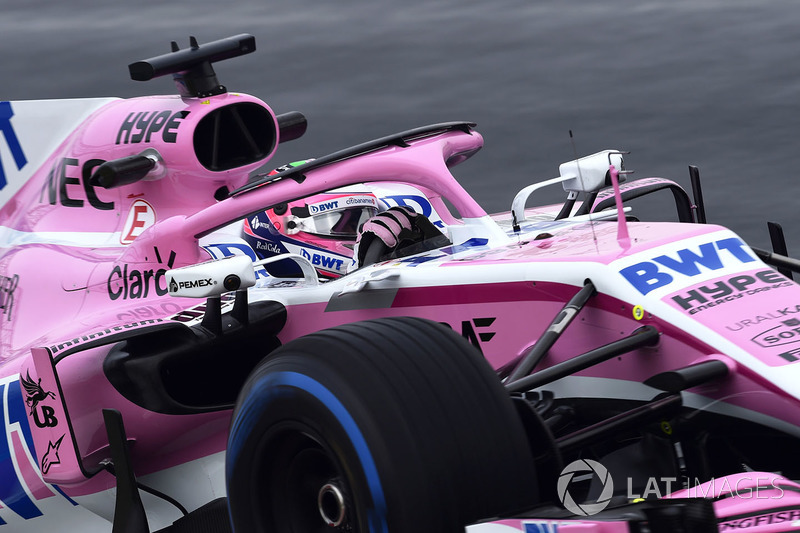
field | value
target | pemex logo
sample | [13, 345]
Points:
[590, 467]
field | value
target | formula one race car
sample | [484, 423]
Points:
[557, 368]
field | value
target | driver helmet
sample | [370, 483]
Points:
[322, 228]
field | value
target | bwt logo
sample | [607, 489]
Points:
[660, 271]
[323, 261]
[325, 206]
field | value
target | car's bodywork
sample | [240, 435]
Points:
[106, 199]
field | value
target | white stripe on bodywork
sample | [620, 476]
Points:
[88, 239]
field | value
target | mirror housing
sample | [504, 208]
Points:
[211, 278]
[590, 173]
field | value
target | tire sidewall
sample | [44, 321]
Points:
[283, 401]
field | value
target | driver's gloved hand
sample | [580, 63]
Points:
[394, 227]
[397, 232]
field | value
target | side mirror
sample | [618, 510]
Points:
[587, 175]
[212, 278]
[590, 173]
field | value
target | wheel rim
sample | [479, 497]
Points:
[307, 492]
[331, 504]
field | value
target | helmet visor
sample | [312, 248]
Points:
[344, 223]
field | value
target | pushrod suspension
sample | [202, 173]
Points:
[553, 332]
[645, 336]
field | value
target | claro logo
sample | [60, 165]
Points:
[127, 282]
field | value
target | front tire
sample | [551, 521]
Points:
[396, 424]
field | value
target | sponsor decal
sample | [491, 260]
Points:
[781, 517]
[50, 457]
[787, 332]
[729, 289]
[54, 349]
[218, 250]
[7, 129]
[63, 186]
[270, 247]
[413, 201]
[468, 330]
[142, 125]
[362, 200]
[141, 216]
[198, 311]
[34, 395]
[324, 261]
[341, 203]
[662, 270]
[228, 249]
[190, 284]
[22, 486]
[8, 284]
[148, 312]
[255, 223]
[418, 203]
[763, 317]
[125, 282]
[321, 207]
[791, 355]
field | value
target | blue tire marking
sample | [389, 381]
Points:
[273, 386]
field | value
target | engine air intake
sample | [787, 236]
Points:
[234, 136]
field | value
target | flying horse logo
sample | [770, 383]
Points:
[35, 392]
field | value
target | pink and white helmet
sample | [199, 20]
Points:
[322, 228]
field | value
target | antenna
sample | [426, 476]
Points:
[569, 203]
[587, 199]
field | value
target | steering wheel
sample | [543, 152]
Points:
[376, 249]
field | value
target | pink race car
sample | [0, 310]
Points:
[554, 368]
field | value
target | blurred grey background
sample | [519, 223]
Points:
[714, 83]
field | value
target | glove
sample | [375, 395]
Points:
[401, 231]
[392, 227]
